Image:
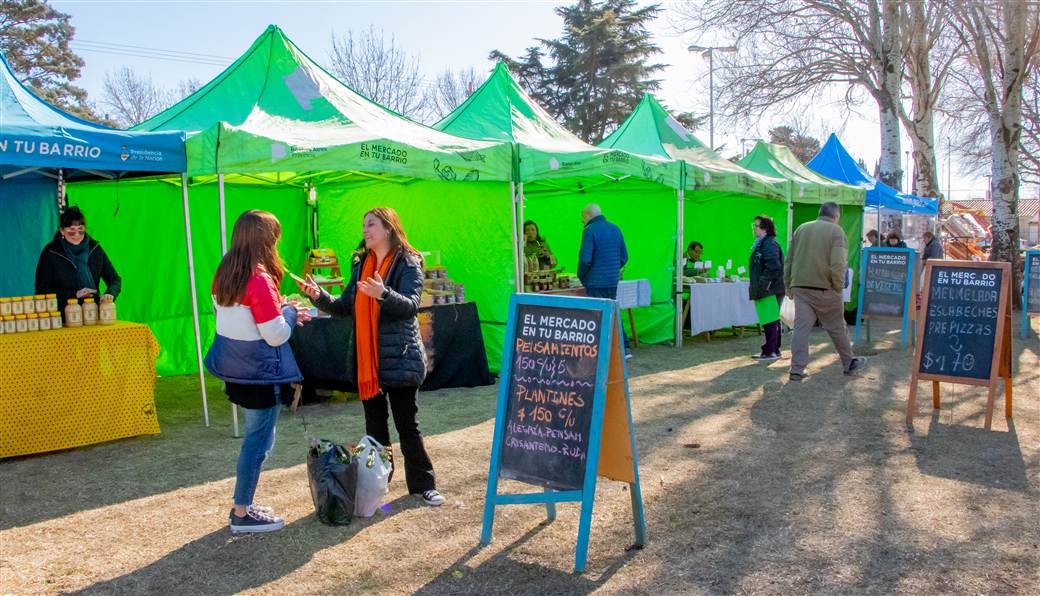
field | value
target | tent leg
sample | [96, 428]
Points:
[517, 278]
[790, 218]
[194, 298]
[679, 241]
[223, 251]
[520, 222]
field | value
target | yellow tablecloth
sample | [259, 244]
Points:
[76, 386]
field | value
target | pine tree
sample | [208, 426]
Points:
[599, 68]
[35, 39]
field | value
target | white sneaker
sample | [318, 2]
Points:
[433, 498]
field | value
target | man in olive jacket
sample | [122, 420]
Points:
[814, 272]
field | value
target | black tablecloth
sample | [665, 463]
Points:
[451, 333]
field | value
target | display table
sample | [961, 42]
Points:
[76, 386]
[451, 333]
[715, 306]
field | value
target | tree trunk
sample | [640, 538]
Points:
[920, 123]
[1006, 131]
[889, 168]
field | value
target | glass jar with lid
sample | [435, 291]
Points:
[21, 323]
[5, 307]
[32, 321]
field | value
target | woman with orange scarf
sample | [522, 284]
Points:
[383, 295]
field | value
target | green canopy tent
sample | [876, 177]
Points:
[275, 131]
[807, 190]
[557, 174]
[719, 198]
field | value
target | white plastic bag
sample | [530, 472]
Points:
[373, 475]
[787, 311]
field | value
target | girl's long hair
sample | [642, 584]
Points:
[254, 241]
[398, 239]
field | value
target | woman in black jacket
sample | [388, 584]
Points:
[391, 360]
[766, 270]
[73, 264]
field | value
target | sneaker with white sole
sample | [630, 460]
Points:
[254, 521]
[765, 357]
[433, 498]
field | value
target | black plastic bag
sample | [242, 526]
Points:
[332, 474]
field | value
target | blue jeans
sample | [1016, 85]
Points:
[257, 443]
[612, 294]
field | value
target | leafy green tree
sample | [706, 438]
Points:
[599, 66]
[35, 39]
[802, 145]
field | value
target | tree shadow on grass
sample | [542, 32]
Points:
[225, 563]
[503, 574]
[986, 457]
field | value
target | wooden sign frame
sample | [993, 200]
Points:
[1001, 364]
[611, 454]
[910, 268]
[1025, 295]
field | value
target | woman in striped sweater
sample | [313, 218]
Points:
[251, 353]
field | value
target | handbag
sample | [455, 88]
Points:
[787, 311]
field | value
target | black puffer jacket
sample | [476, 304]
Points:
[402, 358]
[56, 273]
[766, 269]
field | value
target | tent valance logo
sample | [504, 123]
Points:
[448, 174]
[383, 153]
[616, 157]
[27, 147]
[282, 151]
[123, 154]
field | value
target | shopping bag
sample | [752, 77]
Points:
[767, 309]
[332, 474]
[373, 475]
[787, 311]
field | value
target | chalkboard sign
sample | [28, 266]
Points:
[1032, 281]
[886, 281]
[563, 417]
[886, 285]
[961, 320]
[551, 389]
[965, 336]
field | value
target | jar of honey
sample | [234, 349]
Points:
[32, 321]
[21, 324]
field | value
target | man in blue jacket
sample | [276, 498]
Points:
[602, 256]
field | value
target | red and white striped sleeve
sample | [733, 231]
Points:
[261, 296]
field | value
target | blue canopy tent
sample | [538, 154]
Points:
[834, 161]
[41, 147]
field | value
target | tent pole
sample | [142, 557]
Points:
[790, 215]
[517, 281]
[223, 251]
[519, 247]
[194, 298]
[679, 240]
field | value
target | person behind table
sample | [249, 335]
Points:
[873, 238]
[766, 272]
[693, 256]
[383, 295]
[894, 240]
[933, 248]
[73, 264]
[814, 275]
[602, 256]
[536, 247]
[251, 353]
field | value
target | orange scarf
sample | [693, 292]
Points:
[366, 322]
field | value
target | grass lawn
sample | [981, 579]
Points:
[750, 485]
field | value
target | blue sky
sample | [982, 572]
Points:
[443, 34]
